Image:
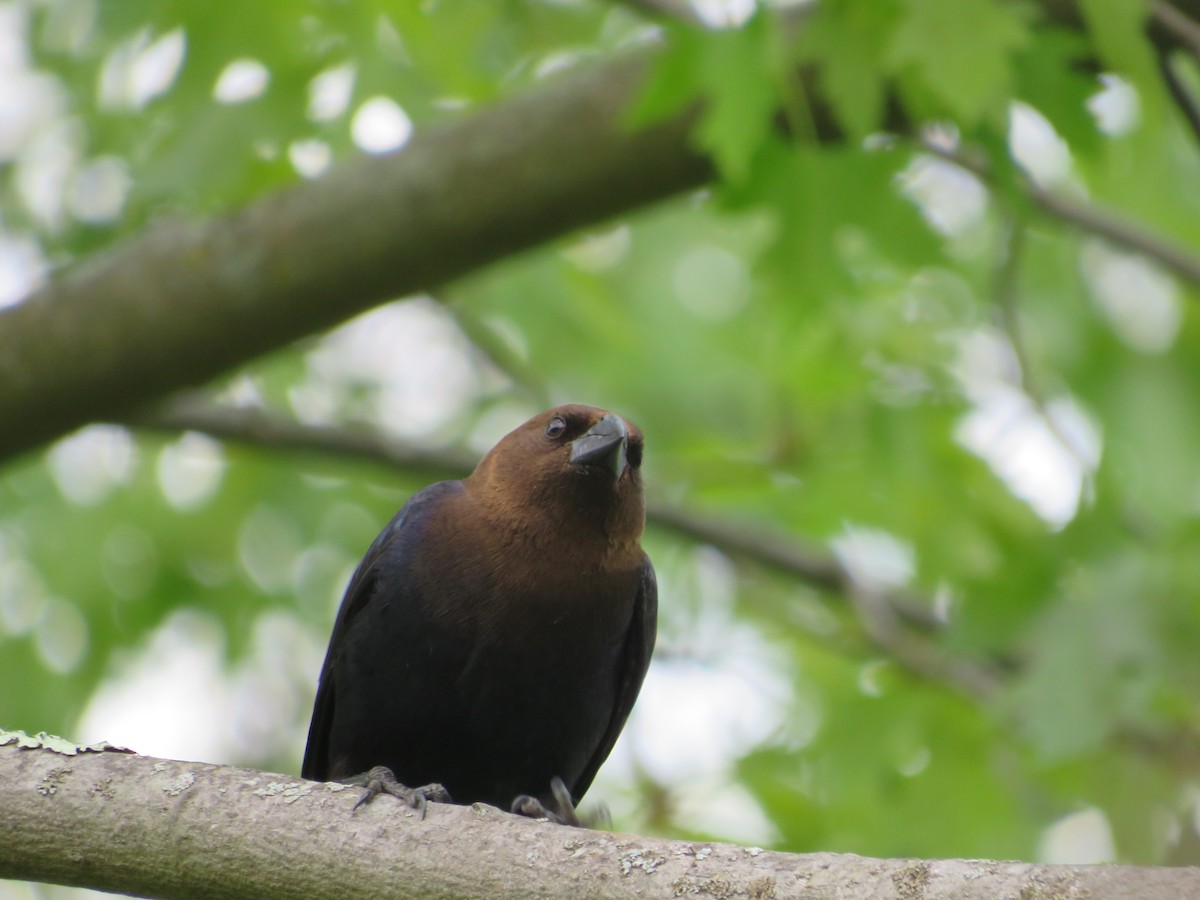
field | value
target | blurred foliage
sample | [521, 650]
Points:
[818, 345]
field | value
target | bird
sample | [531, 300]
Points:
[493, 640]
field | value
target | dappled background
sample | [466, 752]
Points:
[922, 450]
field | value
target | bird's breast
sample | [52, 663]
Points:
[522, 582]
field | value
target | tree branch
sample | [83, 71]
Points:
[1184, 101]
[1178, 25]
[506, 361]
[782, 553]
[1006, 298]
[163, 828]
[667, 10]
[1091, 218]
[250, 425]
[892, 621]
[185, 302]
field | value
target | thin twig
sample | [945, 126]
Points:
[1182, 28]
[245, 425]
[492, 346]
[667, 10]
[1183, 98]
[975, 679]
[1119, 231]
[1090, 217]
[1030, 385]
[784, 554]
[896, 622]
[254, 426]
[890, 620]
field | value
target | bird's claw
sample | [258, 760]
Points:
[564, 812]
[381, 780]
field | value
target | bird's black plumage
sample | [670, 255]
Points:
[496, 634]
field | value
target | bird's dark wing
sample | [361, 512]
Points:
[631, 671]
[358, 594]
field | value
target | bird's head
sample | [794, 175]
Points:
[574, 467]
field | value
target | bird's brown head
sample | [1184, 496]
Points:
[575, 468]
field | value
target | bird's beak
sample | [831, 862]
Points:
[603, 445]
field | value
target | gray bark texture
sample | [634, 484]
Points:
[162, 828]
[186, 301]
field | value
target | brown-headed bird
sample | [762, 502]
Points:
[494, 638]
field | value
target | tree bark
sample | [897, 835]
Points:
[162, 828]
[185, 302]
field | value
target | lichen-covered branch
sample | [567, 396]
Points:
[163, 828]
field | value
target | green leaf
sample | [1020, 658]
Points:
[1118, 29]
[833, 208]
[846, 41]
[1092, 664]
[731, 71]
[961, 51]
[736, 75]
[673, 82]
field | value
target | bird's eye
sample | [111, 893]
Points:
[556, 428]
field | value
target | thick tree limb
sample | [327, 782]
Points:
[163, 828]
[187, 301]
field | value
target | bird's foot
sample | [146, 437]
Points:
[381, 780]
[564, 812]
